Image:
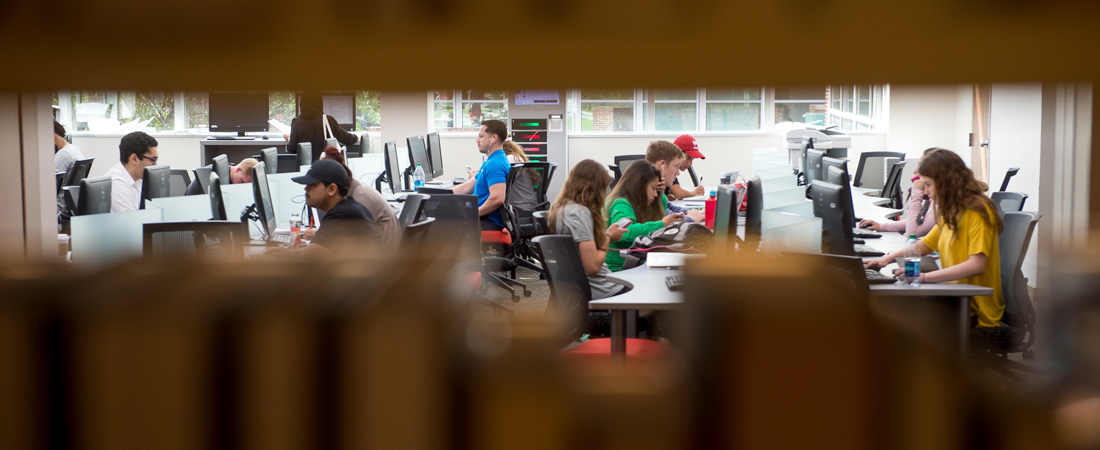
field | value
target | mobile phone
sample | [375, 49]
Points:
[469, 169]
[625, 222]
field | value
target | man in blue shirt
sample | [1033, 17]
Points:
[490, 181]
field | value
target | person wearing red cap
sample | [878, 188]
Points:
[690, 147]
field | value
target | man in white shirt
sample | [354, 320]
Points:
[136, 151]
[64, 153]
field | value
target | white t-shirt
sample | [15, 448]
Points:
[125, 190]
[64, 159]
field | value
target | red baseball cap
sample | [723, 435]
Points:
[689, 146]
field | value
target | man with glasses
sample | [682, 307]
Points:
[136, 151]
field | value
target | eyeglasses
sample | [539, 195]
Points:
[150, 158]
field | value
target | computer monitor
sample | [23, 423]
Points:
[217, 205]
[393, 168]
[305, 155]
[839, 177]
[95, 196]
[155, 183]
[435, 153]
[221, 167]
[725, 217]
[239, 112]
[836, 236]
[341, 106]
[754, 210]
[270, 157]
[261, 192]
[418, 154]
[813, 165]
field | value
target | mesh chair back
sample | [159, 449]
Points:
[525, 193]
[210, 239]
[79, 172]
[414, 236]
[1012, 246]
[457, 228]
[203, 175]
[892, 188]
[60, 176]
[872, 170]
[178, 180]
[410, 211]
[569, 288]
[1008, 176]
[1009, 201]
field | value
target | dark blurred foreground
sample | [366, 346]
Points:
[397, 355]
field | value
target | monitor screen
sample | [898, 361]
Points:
[95, 196]
[221, 167]
[238, 111]
[435, 153]
[725, 217]
[813, 165]
[418, 154]
[156, 183]
[342, 108]
[261, 192]
[393, 169]
[754, 208]
[839, 177]
[836, 237]
[217, 206]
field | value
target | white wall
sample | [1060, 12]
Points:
[923, 116]
[180, 152]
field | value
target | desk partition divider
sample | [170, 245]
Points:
[287, 196]
[786, 232]
[236, 198]
[182, 209]
[367, 168]
[102, 239]
[779, 183]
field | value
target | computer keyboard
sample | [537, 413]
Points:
[231, 138]
[865, 234]
[674, 282]
[876, 277]
[458, 181]
[863, 250]
[281, 239]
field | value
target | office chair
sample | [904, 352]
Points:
[569, 297]
[79, 172]
[269, 156]
[694, 177]
[213, 238]
[410, 211]
[872, 170]
[286, 163]
[203, 175]
[621, 163]
[60, 176]
[518, 209]
[221, 167]
[543, 219]
[1008, 201]
[414, 236]
[178, 181]
[1008, 176]
[892, 188]
[1017, 331]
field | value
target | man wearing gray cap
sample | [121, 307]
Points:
[347, 224]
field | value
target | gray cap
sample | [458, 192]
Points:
[325, 170]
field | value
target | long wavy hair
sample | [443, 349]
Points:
[956, 189]
[511, 148]
[632, 186]
[586, 185]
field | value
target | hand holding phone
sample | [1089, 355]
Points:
[625, 222]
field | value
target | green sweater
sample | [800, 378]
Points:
[617, 210]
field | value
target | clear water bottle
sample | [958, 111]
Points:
[912, 262]
[418, 176]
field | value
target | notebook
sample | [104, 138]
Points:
[669, 260]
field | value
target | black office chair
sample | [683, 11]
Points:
[543, 219]
[892, 188]
[521, 198]
[60, 176]
[414, 236]
[203, 175]
[1017, 331]
[78, 172]
[213, 238]
[286, 163]
[1008, 201]
[178, 181]
[1008, 176]
[410, 211]
[872, 170]
[694, 177]
[621, 163]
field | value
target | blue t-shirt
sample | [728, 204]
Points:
[494, 171]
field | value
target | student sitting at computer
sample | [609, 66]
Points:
[240, 173]
[136, 151]
[965, 234]
[920, 214]
[384, 217]
[691, 152]
[578, 211]
[347, 228]
[636, 197]
[668, 157]
[308, 127]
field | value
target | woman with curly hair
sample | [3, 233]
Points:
[965, 234]
[578, 211]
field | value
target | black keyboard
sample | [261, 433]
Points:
[231, 138]
[865, 234]
[876, 277]
[674, 282]
[863, 250]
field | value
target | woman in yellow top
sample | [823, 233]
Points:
[965, 234]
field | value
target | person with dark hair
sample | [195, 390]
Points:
[384, 217]
[965, 234]
[690, 147]
[308, 126]
[136, 151]
[347, 227]
[64, 153]
[636, 197]
[489, 183]
[578, 211]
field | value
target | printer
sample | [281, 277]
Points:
[834, 143]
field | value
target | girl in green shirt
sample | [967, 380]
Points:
[635, 197]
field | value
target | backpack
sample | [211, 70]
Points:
[687, 237]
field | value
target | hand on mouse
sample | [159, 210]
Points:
[870, 224]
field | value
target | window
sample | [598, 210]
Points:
[473, 107]
[737, 109]
[801, 104]
[856, 107]
[603, 111]
[675, 109]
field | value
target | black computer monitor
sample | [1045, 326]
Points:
[95, 196]
[221, 167]
[217, 205]
[305, 155]
[418, 154]
[813, 165]
[341, 106]
[754, 210]
[239, 112]
[839, 177]
[393, 167]
[435, 153]
[156, 182]
[836, 236]
[261, 193]
[270, 157]
[725, 217]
